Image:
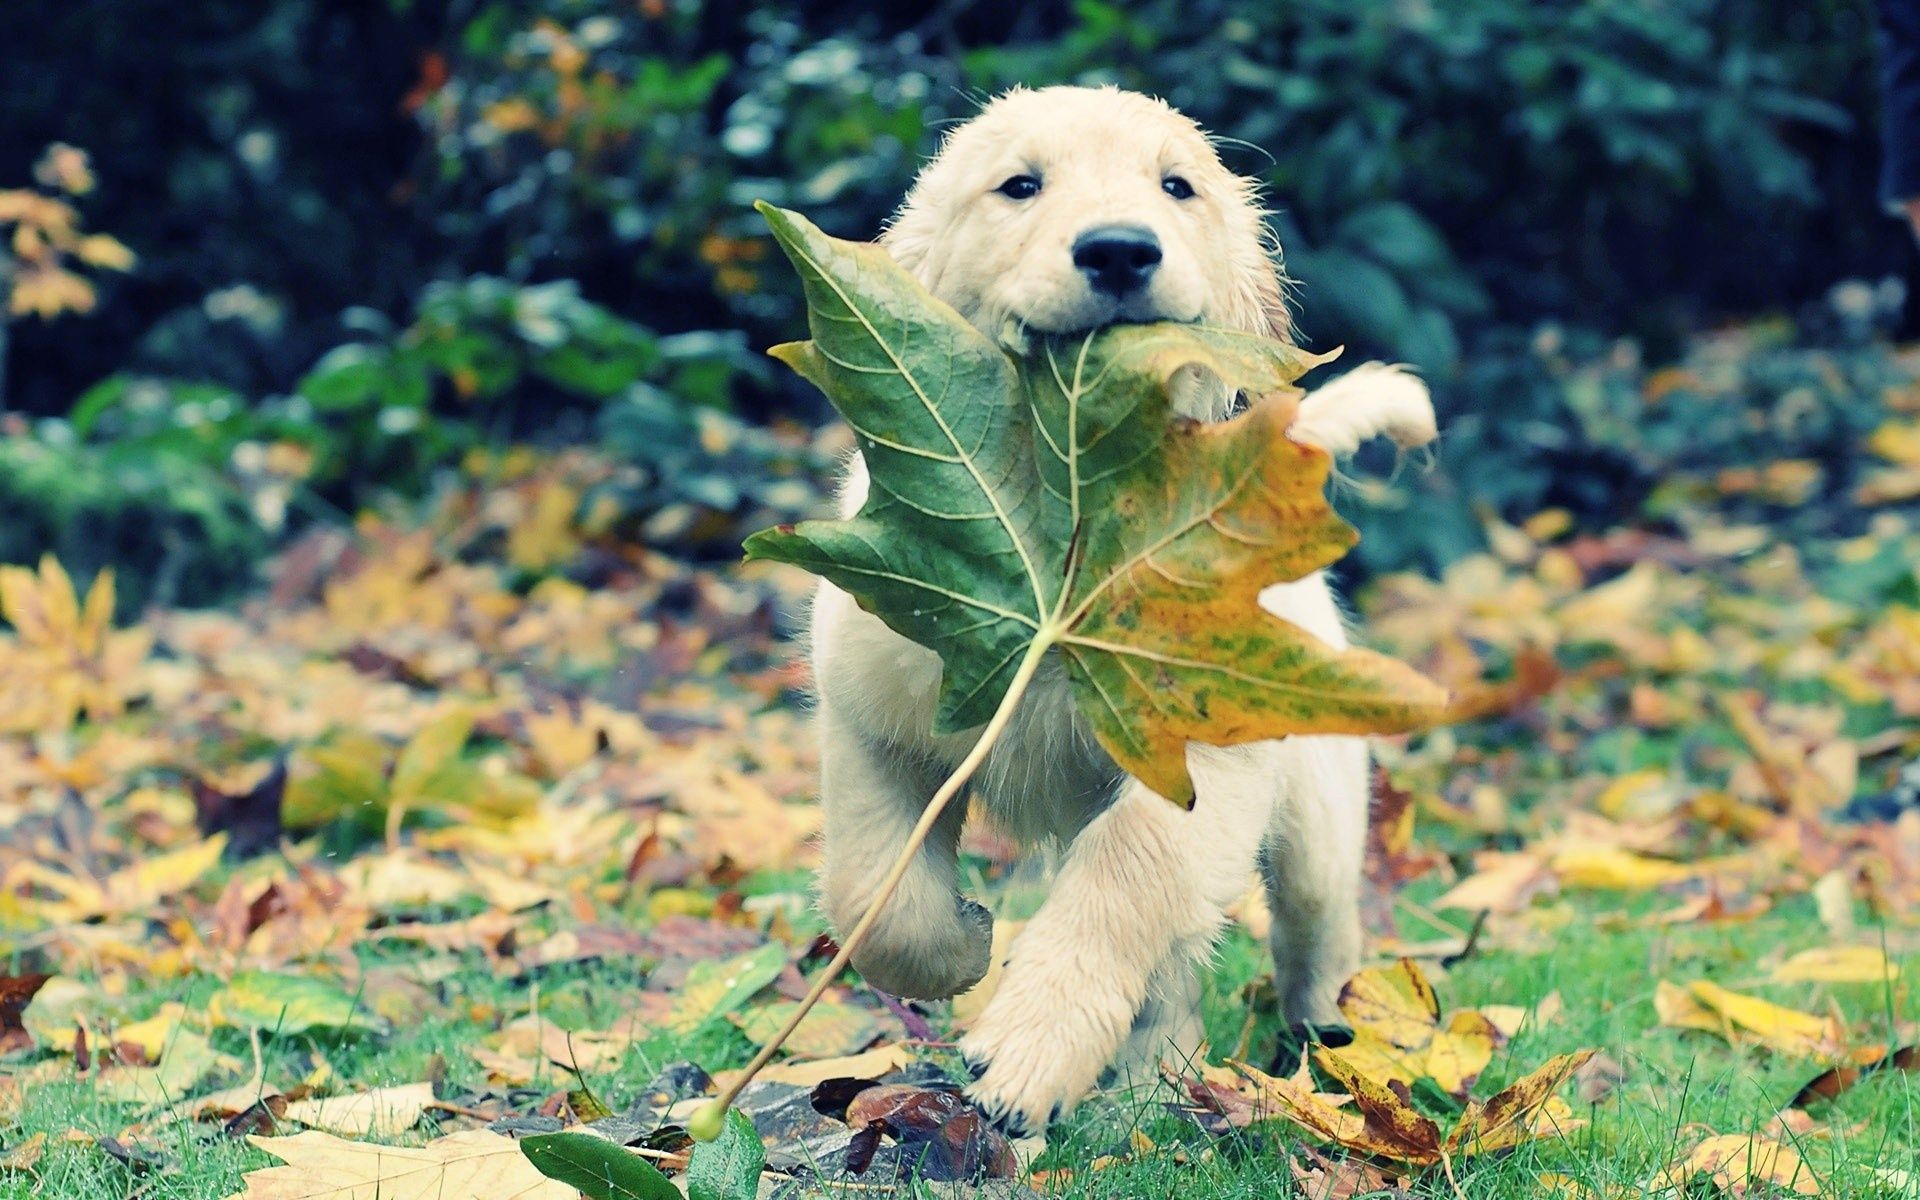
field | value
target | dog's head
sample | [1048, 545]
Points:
[1067, 208]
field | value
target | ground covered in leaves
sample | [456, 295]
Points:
[474, 824]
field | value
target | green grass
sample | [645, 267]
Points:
[1604, 965]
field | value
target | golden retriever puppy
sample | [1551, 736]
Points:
[1060, 210]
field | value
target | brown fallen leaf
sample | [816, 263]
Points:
[959, 1143]
[1596, 1079]
[1832, 1082]
[1326, 1178]
[26, 1155]
[319, 1166]
[16, 992]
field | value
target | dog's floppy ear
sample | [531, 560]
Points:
[1271, 300]
[1257, 289]
[1258, 299]
[908, 237]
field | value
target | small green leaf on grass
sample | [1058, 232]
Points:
[727, 1168]
[600, 1169]
[288, 1004]
[714, 989]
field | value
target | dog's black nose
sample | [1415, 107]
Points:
[1118, 259]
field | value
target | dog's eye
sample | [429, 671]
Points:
[1020, 187]
[1177, 187]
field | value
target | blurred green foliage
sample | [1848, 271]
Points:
[375, 234]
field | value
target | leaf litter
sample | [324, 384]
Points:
[631, 754]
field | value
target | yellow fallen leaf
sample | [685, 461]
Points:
[133, 889]
[1616, 869]
[187, 1059]
[1740, 1018]
[1740, 1164]
[152, 1034]
[1502, 883]
[381, 1113]
[875, 1062]
[1897, 441]
[830, 1030]
[1644, 795]
[403, 879]
[529, 1048]
[320, 1166]
[1837, 964]
[1398, 1035]
[26, 1155]
[1525, 1110]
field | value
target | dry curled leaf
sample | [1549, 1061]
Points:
[1382, 1122]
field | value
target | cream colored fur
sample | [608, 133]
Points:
[1105, 970]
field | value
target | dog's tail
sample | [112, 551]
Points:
[1367, 402]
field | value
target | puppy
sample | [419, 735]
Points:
[1058, 211]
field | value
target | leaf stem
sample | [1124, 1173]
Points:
[711, 1116]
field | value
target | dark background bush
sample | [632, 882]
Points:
[386, 230]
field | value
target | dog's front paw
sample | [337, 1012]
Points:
[1018, 1108]
[1027, 1076]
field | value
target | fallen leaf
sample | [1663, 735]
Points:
[1398, 1034]
[714, 989]
[831, 1030]
[1740, 1165]
[1325, 1178]
[284, 1004]
[1501, 883]
[381, 1113]
[875, 1062]
[1615, 869]
[595, 1166]
[187, 1060]
[1525, 1110]
[958, 1143]
[1832, 1082]
[1837, 964]
[320, 1166]
[1739, 1018]
[16, 992]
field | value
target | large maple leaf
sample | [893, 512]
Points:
[1051, 501]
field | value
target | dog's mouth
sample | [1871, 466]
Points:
[1099, 315]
